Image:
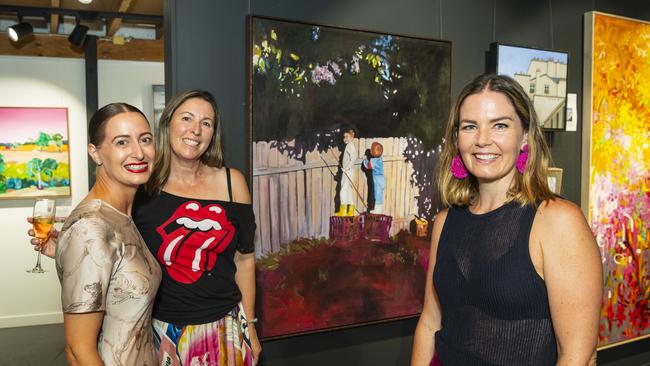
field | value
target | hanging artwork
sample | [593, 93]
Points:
[346, 130]
[616, 168]
[555, 180]
[543, 75]
[158, 102]
[34, 154]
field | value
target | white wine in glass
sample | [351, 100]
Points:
[43, 221]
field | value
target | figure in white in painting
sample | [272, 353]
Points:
[348, 176]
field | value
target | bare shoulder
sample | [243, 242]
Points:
[439, 220]
[561, 225]
[557, 213]
[240, 190]
[237, 176]
[438, 224]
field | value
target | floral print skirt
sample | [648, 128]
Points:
[221, 343]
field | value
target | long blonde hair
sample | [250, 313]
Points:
[213, 156]
[527, 188]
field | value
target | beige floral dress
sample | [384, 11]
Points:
[104, 265]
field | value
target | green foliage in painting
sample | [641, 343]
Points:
[3, 179]
[43, 140]
[311, 78]
[41, 170]
[57, 138]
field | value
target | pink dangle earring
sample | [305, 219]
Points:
[522, 159]
[457, 168]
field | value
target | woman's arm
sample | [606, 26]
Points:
[245, 278]
[245, 275]
[84, 281]
[429, 323]
[572, 271]
[81, 332]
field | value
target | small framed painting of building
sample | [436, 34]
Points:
[543, 75]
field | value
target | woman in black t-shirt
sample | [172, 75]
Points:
[196, 218]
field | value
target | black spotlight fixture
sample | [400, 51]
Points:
[20, 31]
[78, 35]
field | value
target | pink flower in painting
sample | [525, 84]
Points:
[322, 74]
[335, 68]
[354, 66]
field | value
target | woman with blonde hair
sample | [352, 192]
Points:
[515, 274]
[196, 217]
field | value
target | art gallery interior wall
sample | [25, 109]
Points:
[216, 60]
[27, 298]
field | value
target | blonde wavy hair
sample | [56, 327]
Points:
[213, 156]
[530, 187]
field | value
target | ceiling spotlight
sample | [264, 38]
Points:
[85, 1]
[78, 35]
[20, 31]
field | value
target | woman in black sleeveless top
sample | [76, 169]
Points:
[515, 275]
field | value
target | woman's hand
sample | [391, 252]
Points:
[255, 343]
[49, 249]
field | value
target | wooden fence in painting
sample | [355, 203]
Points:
[292, 199]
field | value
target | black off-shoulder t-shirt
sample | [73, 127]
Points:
[195, 240]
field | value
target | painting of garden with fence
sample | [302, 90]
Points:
[346, 128]
[34, 156]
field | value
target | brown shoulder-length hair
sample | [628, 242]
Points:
[527, 188]
[213, 156]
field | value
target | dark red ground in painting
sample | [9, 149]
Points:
[342, 283]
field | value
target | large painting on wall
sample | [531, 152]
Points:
[616, 168]
[34, 157]
[346, 130]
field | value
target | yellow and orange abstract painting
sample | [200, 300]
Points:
[616, 155]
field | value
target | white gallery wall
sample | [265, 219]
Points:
[31, 299]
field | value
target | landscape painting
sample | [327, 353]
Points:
[34, 153]
[616, 169]
[347, 129]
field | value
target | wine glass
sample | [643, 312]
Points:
[43, 220]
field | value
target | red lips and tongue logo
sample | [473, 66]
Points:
[193, 237]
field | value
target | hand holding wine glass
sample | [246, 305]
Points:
[43, 221]
[49, 248]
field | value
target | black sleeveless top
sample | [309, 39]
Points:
[494, 305]
[194, 241]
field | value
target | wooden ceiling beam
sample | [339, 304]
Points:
[54, 17]
[48, 45]
[115, 24]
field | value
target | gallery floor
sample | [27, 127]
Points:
[43, 346]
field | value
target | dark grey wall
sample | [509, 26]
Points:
[206, 47]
